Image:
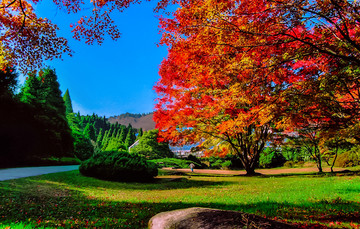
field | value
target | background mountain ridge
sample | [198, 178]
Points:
[144, 121]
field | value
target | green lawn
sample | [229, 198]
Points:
[71, 200]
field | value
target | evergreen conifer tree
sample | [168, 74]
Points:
[105, 140]
[43, 93]
[123, 134]
[67, 101]
[140, 133]
[129, 138]
[89, 132]
[100, 137]
[30, 92]
[50, 91]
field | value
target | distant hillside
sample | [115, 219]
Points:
[144, 121]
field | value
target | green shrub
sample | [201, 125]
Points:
[230, 161]
[216, 164]
[271, 159]
[118, 166]
[348, 159]
[150, 148]
[175, 163]
[61, 161]
[289, 164]
[226, 165]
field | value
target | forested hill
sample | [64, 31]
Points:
[144, 121]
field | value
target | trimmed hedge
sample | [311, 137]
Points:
[175, 163]
[118, 166]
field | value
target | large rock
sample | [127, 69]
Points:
[206, 218]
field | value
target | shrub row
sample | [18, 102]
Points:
[175, 163]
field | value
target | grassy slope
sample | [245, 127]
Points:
[69, 199]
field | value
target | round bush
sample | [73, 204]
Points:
[118, 166]
[271, 159]
[347, 159]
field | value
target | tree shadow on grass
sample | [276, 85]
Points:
[60, 200]
[48, 205]
[77, 181]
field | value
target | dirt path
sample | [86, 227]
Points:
[262, 171]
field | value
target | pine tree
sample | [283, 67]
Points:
[105, 140]
[140, 133]
[50, 91]
[30, 92]
[67, 101]
[89, 132]
[43, 93]
[123, 134]
[100, 137]
[74, 122]
[129, 138]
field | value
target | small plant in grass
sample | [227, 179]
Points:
[118, 166]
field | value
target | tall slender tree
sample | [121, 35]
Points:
[67, 101]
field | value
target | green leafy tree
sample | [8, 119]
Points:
[150, 148]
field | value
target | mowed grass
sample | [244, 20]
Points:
[70, 200]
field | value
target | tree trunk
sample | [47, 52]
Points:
[250, 171]
[318, 157]
[332, 165]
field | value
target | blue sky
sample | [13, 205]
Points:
[118, 76]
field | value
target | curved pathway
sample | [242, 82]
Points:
[261, 171]
[14, 173]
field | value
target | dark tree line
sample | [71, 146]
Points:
[38, 124]
[94, 134]
[127, 114]
[33, 123]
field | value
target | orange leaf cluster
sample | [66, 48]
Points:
[237, 69]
